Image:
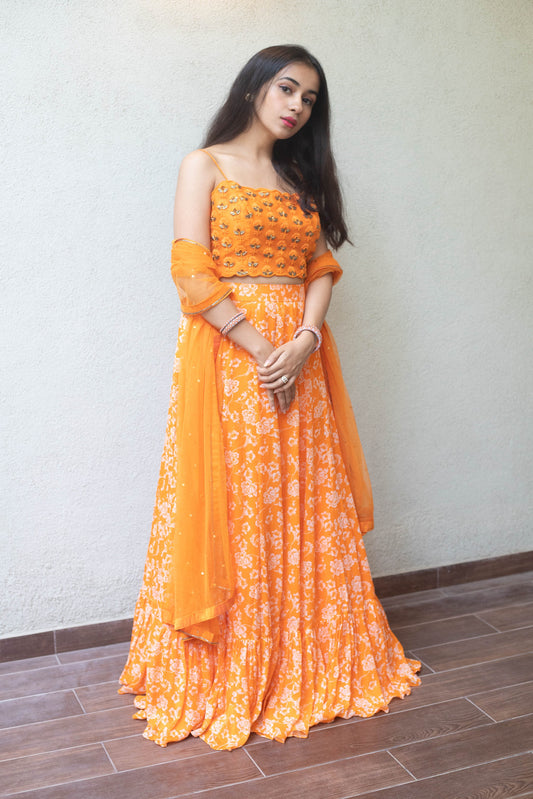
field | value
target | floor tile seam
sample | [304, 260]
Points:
[401, 764]
[424, 664]
[475, 765]
[79, 700]
[487, 622]
[257, 766]
[115, 769]
[495, 721]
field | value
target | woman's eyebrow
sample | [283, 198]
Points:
[309, 91]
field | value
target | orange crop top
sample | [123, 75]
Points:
[260, 232]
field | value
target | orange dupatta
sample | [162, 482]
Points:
[201, 576]
[352, 451]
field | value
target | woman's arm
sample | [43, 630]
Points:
[192, 212]
[289, 359]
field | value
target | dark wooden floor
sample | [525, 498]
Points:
[467, 731]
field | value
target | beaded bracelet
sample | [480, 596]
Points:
[312, 329]
[231, 323]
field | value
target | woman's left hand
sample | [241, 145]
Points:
[282, 367]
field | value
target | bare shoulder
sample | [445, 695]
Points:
[192, 204]
[197, 168]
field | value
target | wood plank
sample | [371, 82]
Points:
[27, 664]
[446, 685]
[410, 611]
[60, 678]
[509, 618]
[467, 748]
[378, 733]
[48, 736]
[214, 770]
[504, 779]
[477, 650]
[31, 709]
[37, 771]
[506, 703]
[135, 751]
[330, 781]
[103, 696]
[94, 652]
[442, 631]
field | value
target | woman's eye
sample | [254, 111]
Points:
[308, 101]
[285, 89]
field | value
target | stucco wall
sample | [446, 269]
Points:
[432, 123]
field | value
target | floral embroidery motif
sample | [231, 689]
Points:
[233, 203]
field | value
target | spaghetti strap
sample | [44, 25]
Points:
[214, 160]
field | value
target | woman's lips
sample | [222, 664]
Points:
[288, 121]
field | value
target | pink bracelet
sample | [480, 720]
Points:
[312, 329]
[231, 323]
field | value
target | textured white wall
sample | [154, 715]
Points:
[432, 119]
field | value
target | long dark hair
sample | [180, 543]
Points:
[305, 161]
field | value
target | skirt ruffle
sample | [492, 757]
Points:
[306, 639]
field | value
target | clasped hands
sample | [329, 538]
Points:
[279, 371]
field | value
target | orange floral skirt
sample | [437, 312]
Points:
[305, 639]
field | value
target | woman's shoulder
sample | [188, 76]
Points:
[198, 172]
[199, 162]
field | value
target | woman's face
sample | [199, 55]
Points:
[284, 105]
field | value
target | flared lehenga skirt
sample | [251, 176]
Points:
[306, 639]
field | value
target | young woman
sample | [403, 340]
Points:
[257, 611]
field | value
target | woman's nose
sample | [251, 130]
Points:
[296, 103]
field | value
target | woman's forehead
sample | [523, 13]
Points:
[303, 75]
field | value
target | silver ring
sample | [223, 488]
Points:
[284, 379]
